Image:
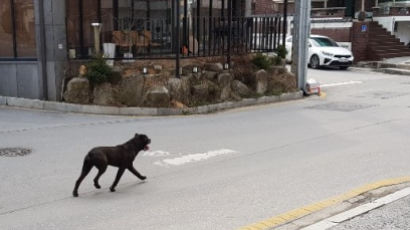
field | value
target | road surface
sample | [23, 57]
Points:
[217, 171]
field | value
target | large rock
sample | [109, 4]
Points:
[130, 91]
[210, 75]
[179, 89]
[241, 89]
[201, 91]
[214, 91]
[278, 70]
[187, 70]
[78, 91]
[261, 82]
[215, 67]
[225, 93]
[157, 96]
[284, 82]
[158, 68]
[104, 95]
[224, 79]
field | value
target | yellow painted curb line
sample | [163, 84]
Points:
[309, 209]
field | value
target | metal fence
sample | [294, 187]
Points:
[194, 37]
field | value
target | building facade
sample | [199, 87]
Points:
[39, 37]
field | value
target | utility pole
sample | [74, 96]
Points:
[300, 47]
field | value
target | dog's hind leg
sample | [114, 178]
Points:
[136, 173]
[117, 179]
[101, 170]
[86, 169]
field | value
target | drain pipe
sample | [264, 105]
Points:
[42, 48]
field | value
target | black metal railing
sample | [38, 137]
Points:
[198, 37]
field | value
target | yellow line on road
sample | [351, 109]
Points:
[309, 209]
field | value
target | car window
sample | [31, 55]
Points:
[325, 42]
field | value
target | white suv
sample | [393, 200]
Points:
[323, 51]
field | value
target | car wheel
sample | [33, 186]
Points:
[343, 67]
[314, 62]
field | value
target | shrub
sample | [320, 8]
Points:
[281, 51]
[262, 62]
[99, 72]
[276, 60]
[244, 70]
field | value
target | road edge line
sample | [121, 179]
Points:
[352, 213]
[312, 208]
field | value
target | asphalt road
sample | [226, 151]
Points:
[276, 158]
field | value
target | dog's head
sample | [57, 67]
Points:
[142, 141]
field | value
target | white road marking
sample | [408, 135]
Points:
[340, 84]
[157, 153]
[190, 158]
[337, 219]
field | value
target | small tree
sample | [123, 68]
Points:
[99, 72]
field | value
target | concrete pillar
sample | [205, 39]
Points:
[51, 46]
[40, 42]
[248, 8]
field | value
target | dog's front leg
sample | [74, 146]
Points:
[136, 173]
[117, 179]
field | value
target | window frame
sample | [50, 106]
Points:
[15, 56]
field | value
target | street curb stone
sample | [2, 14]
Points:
[388, 68]
[3, 100]
[142, 111]
[394, 71]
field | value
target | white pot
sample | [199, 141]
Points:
[109, 52]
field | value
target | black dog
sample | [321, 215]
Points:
[120, 156]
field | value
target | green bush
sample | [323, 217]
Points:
[99, 72]
[277, 60]
[281, 51]
[262, 62]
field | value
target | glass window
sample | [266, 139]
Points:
[25, 29]
[90, 15]
[17, 24]
[324, 42]
[73, 25]
[6, 29]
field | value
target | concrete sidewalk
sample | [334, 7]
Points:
[387, 212]
[395, 215]
[396, 66]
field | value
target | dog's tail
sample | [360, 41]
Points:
[87, 165]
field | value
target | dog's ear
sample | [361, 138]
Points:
[136, 135]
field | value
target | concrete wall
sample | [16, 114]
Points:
[338, 31]
[403, 32]
[403, 26]
[20, 79]
[360, 41]
[386, 22]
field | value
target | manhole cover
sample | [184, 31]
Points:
[14, 152]
[341, 106]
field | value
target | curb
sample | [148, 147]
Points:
[352, 213]
[395, 71]
[293, 215]
[141, 111]
[384, 67]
